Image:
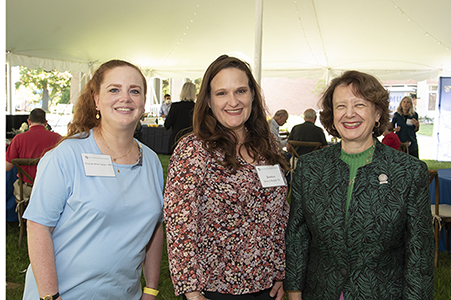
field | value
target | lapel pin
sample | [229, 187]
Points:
[383, 179]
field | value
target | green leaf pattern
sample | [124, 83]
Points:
[383, 250]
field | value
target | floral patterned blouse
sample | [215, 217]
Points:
[225, 232]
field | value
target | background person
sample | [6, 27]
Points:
[30, 144]
[94, 218]
[405, 121]
[225, 231]
[307, 132]
[180, 117]
[279, 119]
[390, 138]
[360, 220]
[165, 106]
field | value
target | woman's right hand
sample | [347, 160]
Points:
[295, 295]
[398, 129]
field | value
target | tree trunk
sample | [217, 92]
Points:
[45, 100]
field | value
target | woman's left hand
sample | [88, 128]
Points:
[277, 290]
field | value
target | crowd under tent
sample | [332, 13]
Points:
[319, 39]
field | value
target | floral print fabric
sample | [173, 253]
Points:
[225, 232]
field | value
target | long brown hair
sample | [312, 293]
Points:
[217, 137]
[85, 109]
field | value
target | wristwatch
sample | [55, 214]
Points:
[50, 297]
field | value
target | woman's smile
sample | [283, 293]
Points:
[234, 112]
[124, 109]
[351, 125]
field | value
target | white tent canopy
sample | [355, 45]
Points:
[392, 39]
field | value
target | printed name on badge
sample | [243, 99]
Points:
[270, 176]
[98, 165]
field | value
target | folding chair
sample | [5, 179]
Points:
[22, 202]
[404, 147]
[441, 215]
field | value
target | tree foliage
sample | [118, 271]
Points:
[52, 84]
[165, 88]
[320, 87]
[198, 83]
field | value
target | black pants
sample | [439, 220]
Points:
[262, 295]
[414, 153]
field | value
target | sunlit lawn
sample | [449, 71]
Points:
[426, 129]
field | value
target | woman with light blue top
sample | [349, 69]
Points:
[94, 218]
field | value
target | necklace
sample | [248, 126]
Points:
[111, 151]
[369, 158]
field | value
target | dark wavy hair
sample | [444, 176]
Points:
[259, 141]
[85, 109]
[363, 85]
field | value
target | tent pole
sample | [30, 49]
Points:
[258, 40]
[8, 85]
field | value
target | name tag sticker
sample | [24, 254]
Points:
[98, 165]
[270, 176]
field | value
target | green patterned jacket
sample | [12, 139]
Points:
[385, 248]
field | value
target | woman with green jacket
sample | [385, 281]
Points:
[360, 224]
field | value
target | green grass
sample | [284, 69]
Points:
[164, 159]
[165, 285]
[442, 284]
[426, 129]
[435, 165]
[17, 259]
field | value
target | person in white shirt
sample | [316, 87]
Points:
[280, 118]
[165, 106]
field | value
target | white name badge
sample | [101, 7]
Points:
[270, 176]
[98, 165]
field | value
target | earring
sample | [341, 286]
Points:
[378, 124]
[98, 115]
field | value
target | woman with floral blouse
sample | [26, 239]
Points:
[225, 198]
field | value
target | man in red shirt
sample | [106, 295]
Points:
[390, 138]
[31, 144]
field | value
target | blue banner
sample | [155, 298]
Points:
[442, 125]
